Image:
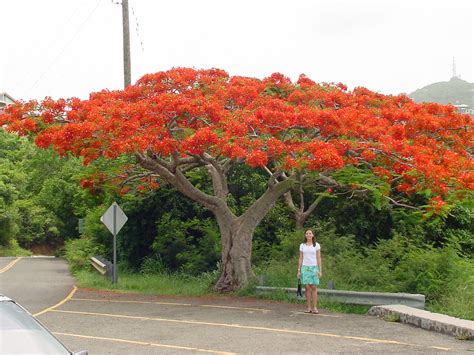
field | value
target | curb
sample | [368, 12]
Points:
[460, 328]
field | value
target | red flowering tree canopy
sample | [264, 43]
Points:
[273, 123]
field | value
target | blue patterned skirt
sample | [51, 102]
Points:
[309, 275]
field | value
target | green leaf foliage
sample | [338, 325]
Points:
[191, 246]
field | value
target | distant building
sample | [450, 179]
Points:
[5, 100]
[463, 108]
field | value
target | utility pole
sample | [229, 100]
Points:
[454, 68]
[127, 71]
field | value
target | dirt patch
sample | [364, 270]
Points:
[43, 250]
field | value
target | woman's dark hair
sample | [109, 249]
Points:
[314, 238]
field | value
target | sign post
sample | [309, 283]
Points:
[114, 219]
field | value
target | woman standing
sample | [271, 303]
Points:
[310, 270]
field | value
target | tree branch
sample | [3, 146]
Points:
[219, 178]
[396, 203]
[212, 203]
[138, 177]
[313, 206]
[177, 179]
[261, 207]
[289, 201]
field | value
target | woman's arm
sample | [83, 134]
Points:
[320, 264]
[300, 261]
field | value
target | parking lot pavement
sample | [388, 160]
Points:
[121, 323]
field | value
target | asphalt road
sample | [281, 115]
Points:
[36, 282]
[125, 323]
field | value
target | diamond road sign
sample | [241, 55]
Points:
[114, 218]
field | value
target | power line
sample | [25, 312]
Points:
[454, 68]
[65, 46]
[53, 42]
[136, 29]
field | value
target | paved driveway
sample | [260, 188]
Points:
[125, 323]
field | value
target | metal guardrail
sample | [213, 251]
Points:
[103, 266]
[358, 297]
[98, 265]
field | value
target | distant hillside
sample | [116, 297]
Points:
[454, 91]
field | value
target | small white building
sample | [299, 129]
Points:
[463, 108]
[5, 100]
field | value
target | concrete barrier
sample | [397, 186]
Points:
[441, 323]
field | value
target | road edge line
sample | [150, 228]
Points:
[145, 343]
[10, 265]
[73, 291]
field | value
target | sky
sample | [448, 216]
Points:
[66, 48]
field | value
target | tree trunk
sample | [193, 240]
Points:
[300, 219]
[236, 238]
[300, 214]
[236, 257]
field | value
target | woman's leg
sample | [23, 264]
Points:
[315, 298]
[309, 295]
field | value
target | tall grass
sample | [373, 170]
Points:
[13, 249]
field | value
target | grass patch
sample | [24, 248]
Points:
[157, 284]
[343, 307]
[13, 249]
[463, 336]
[391, 317]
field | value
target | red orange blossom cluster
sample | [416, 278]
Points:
[272, 122]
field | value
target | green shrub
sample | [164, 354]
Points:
[191, 246]
[96, 232]
[13, 249]
[78, 252]
[458, 298]
[8, 228]
[37, 225]
[153, 265]
[163, 284]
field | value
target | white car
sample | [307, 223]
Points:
[21, 333]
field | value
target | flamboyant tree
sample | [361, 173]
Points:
[184, 119]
